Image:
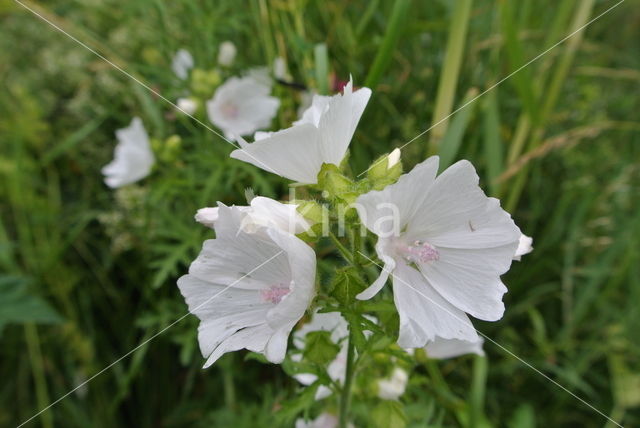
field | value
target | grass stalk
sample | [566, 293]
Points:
[450, 73]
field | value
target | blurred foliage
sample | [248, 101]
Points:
[89, 273]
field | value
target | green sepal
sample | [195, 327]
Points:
[380, 175]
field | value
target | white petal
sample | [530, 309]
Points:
[524, 247]
[338, 124]
[207, 216]
[393, 158]
[276, 347]
[293, 153]
[424, 314]
[457, 214]
[321, 136]
[313, 113]
[251, 338]
[451, 348]
[389, 264]
[302, 262]
[269, 212]
[387, 212]
[212, 304]
[469, 279]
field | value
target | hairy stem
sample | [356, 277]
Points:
[345, 396]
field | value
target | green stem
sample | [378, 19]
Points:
[345, 396]
[35, 355]
[343, 250]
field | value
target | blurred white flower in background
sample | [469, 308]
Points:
[446, 244]
[248, 289]
[187, 105]
[133, 157]
[262, 212]
[334, 323]
[322, 135]
[182, 63]
[393, 387]
[450, 348]
[242, 105]
[324, 420]
[227, 53]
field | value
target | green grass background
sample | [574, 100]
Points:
[87, 274]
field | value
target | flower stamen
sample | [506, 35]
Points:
[275, 293]
[419, 252]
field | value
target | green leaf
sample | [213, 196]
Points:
[304, 400]
[389, 414]
[19, 306]
[346, 285]
[319, 348]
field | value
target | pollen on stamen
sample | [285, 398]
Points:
[419, 252]
[274, 294]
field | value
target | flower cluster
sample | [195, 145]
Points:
[440, 241]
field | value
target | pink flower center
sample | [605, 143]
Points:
[229, 110]
[275, 293]
[419, 252]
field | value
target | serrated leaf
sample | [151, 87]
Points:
[389, 414]
[319, 348]
[346, 285]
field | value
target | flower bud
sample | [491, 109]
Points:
[385, 170]
[226, 53]
[187, 105]
[203, 82]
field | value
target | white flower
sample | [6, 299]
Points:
[182, 63]
[187, 105]
[263, 212]
[133, 158]
[446, 244]
[241, 106]
[393, 387]
[451, 348]
[248, 289]
[324, 420]
[332, 322]
[524, 247]
[226, 53]
[321, 136]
